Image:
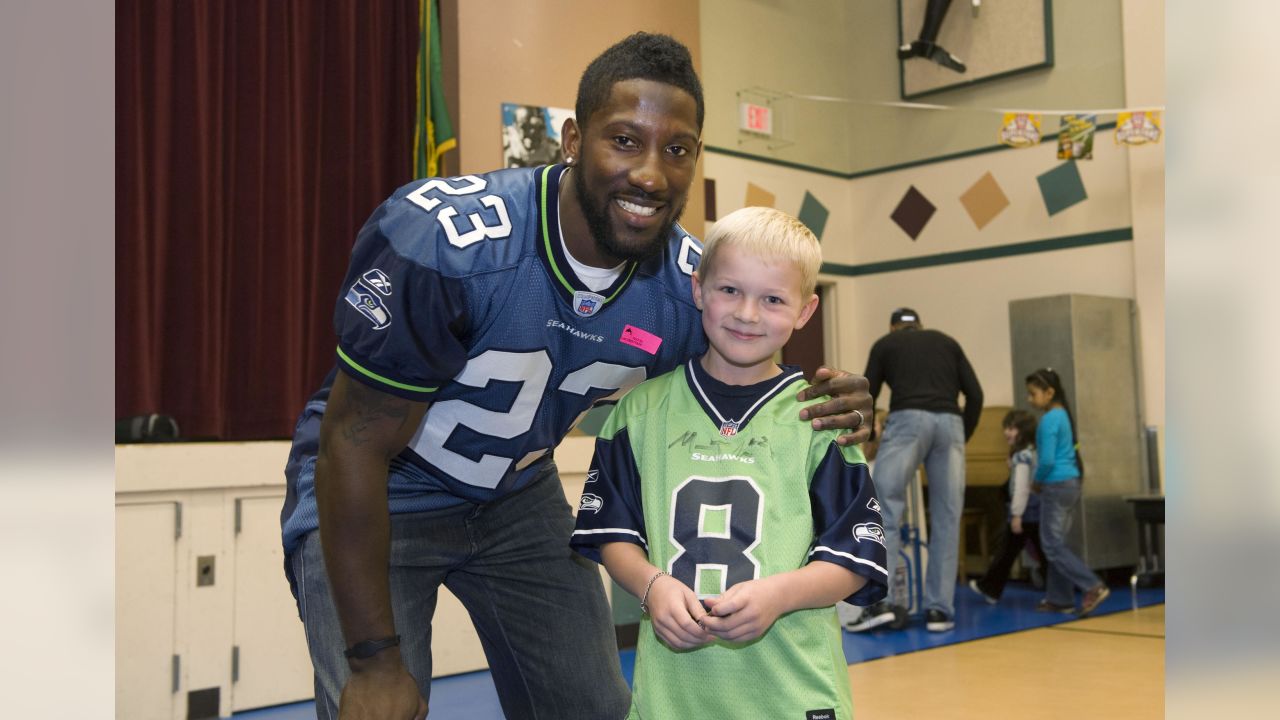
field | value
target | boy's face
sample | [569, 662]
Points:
[750, 306]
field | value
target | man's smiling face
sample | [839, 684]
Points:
[637, 157]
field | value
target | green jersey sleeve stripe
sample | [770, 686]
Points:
[385, 381]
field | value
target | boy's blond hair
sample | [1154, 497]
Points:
[769, 233]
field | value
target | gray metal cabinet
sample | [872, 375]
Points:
[1091, 342]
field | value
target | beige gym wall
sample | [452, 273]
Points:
[1093, 68]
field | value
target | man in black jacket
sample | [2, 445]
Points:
[926, 370]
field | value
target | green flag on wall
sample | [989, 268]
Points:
[433, 131]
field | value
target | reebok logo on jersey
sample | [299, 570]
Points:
[828, 714]
[586, 303]
[370, 305]
[593, 475]
[868, 531]
[378, 280]
[873, 505]
[590, 502]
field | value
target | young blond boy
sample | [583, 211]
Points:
[736, 525]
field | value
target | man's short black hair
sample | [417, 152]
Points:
[644, 56]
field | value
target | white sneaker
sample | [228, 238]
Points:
[973, 585]
[848, 614]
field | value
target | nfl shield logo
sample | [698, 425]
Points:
[586, 303]
[729, 428]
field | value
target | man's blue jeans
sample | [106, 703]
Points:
[539, 608]
[1066, 570]
[912, 437]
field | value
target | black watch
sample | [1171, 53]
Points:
[366, 649]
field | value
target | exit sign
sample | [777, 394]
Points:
[755, 118]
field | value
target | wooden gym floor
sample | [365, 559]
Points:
[1107, 666]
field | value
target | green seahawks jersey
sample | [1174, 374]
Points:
[717, 501]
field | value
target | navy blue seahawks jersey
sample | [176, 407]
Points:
[459, 294]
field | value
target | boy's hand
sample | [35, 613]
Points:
[675, 611]
[746, 610]
[848, 393]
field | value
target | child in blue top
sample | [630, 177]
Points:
[1024, 506]
[1058, 473]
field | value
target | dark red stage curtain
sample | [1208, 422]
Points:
[252, 141]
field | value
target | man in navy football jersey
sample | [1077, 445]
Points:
[508, 304]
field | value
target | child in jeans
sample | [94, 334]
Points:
[736, 524]
[1024, 506]
[1058, 471]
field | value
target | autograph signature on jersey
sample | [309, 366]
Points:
[717, 447]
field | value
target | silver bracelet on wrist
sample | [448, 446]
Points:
[644, 599]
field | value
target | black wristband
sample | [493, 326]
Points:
[368, 648]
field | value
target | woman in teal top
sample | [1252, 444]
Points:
[1059, 474]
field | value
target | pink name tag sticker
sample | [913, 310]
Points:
[635, 337]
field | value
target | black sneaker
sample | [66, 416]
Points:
[871, 617]
[937, 621]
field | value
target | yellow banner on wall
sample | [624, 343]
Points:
[1138, 128]
[1020, 129]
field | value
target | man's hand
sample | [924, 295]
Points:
[675, 612]
[1015, 524]
[746, 610]
[848, 392]
[381, 688]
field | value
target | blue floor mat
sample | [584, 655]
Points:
[976, 619]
